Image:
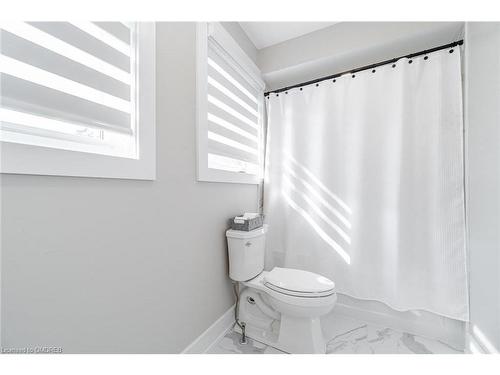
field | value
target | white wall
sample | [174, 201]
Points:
[102, 265]
[483, 205]
[348, 45]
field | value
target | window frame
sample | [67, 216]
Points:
[17, 158]
[246, 67]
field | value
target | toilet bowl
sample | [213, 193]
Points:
[281, 307]
[299, 298]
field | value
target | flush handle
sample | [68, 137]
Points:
[248, 244]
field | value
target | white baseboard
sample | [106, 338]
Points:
[212, 334]
[472, 345]
[477, 342]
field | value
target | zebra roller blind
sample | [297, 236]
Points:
[232, 129]
[67, 78]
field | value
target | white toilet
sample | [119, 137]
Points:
[282, 307]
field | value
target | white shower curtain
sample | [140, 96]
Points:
[364, 183]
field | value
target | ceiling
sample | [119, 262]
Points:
[265, 34]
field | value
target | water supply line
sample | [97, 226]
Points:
[243, 340]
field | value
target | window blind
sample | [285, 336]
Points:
[66, 77]
[233, 114]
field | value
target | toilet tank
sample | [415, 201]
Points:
[246, 253]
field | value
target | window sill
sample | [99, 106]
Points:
[35, 160]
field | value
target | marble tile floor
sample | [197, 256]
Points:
[347, 336]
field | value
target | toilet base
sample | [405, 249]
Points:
[301, 335]
[295, 335]
[290, 324]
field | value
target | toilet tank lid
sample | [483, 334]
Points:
[246, 234]
[298, 280]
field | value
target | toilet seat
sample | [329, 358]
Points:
[298, 283]
[299, 294]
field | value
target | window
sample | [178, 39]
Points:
[76, 101]
[230, 110]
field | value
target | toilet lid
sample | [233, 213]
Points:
[300, 281]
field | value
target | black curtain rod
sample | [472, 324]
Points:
[371, 66]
